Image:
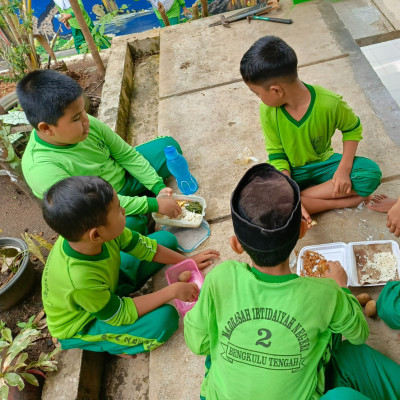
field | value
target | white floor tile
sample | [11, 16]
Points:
[386, 52]
[391, 81]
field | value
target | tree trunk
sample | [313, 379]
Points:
[164, 17]
[88, 37]
[204, 8]
[195, 11]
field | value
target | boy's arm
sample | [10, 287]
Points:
[276, 153]
[197, 321]
[145, 248]
[348, 318]
[130, 159]
[341, 178]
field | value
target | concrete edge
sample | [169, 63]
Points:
[78, 376]
[384, 106]
[119, 83]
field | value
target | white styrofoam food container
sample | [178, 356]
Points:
[344, 253]
[164, 220]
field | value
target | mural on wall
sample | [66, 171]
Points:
[138, 15]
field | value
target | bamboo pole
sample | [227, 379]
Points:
[88, 37]
[161, 10]
[204, 8]
[195, 11]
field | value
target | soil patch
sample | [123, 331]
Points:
[21, 214]
[7, 87]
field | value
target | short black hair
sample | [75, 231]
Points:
[76, 204]
[45, 94]
[268, 58]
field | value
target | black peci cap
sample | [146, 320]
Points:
[266, 210]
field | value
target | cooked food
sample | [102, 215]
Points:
[192, 211]
[375, 263]
[314, 264]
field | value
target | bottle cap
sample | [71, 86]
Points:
[171, 153]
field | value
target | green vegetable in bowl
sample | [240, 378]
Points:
[194, 206]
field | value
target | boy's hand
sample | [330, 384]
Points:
[341, 183]
[64, 19]
[203, 259]
[169, 207]
[167, 191]
[306, 216]
[186, 291]
[337, 273]
[393, 219]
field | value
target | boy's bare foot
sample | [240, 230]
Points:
[127, 356]
[381, 203]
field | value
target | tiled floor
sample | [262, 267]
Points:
[385, 60]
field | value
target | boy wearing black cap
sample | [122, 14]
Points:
[268, 333]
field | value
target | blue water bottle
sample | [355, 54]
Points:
[179, 168]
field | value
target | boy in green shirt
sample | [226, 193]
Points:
[268, 333]
[298, 122]
[82, 287]
[67, 142]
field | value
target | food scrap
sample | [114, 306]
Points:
[312, 223]
[314, 264]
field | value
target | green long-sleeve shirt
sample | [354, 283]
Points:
[103, 153]
[292, 143]
[77, 288]
[269, 335]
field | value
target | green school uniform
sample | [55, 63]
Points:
[269, 334]
[304, 147]
[83, 301]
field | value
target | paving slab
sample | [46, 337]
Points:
[226, 121]
[195, 56]
[390, 9]
[362, 18]
[126, 379]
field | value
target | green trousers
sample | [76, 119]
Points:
[146, 333]
[153, 152]
[79, 39]
[365, 175]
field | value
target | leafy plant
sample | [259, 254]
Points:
[35, 249]
[18, 47]
[99, 29]
[15, 369]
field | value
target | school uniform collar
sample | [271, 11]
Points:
[69, 251]
[309, 109]
[52, 146]
[272, 278]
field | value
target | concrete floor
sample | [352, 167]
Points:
[212, 114]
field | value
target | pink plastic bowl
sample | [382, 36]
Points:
[197, 277]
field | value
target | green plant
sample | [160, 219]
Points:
[15, 369]
[18, 49]
[100, 27]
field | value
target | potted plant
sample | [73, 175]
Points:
[16, 272]
[17, 374]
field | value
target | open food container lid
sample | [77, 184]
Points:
[189, 238]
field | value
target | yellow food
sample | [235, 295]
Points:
[314, 264]
[184, 276]
[313, 223]
[363, 298]
[370, 308]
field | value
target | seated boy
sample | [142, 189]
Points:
[81, 282]
[268, 333]
[298, 121]
[67, 142]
